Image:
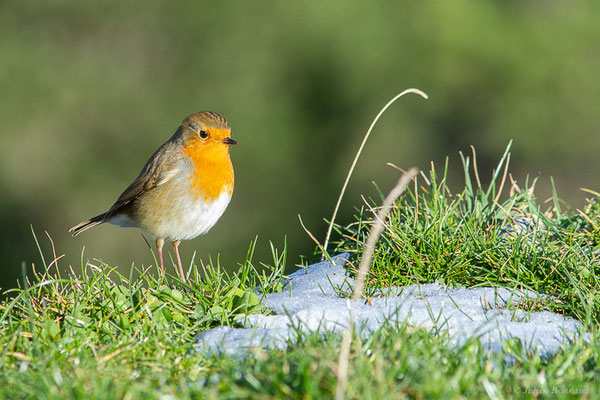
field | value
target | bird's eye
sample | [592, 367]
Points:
[203, 134]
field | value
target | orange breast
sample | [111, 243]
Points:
[213, 171]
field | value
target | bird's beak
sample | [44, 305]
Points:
[228, 140]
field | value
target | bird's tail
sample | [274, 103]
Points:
[82, 226]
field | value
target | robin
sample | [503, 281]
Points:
[182, 190]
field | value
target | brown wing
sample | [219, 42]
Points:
[160, 168]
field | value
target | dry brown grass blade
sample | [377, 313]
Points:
[377, 229]
[475, 169]
[363, 270]
[356, 157]
[309, 233]
[590, 191]
[55, 259]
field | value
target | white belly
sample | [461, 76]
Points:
[182, 219]
[197, 219]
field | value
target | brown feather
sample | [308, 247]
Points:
[161, 162]
[82, 226]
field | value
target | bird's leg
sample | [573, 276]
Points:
[160, 242]
[176, 247]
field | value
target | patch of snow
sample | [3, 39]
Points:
[310, 302]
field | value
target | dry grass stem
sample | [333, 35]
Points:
[358, 153]
[363, 270]
[475, 171]
[425, 179]
[309, 233]
[377, 229]
[590, 191]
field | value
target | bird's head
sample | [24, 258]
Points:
[206, 131]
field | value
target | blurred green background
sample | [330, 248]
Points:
[91, 89]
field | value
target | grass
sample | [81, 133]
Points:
[98, 334]
[471, 238]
